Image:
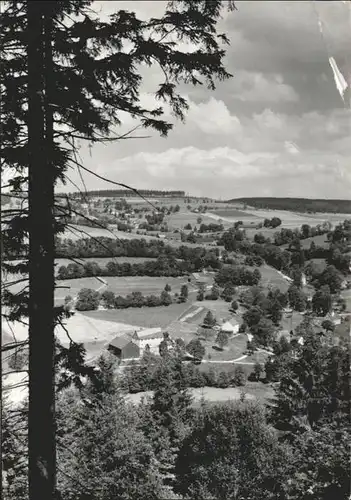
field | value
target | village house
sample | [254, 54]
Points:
[173, 236]
[148, 336]
[203, 279]
[230, 327]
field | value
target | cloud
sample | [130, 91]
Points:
[277, 128]
[257, 87]
[213, 117]
[228, 172]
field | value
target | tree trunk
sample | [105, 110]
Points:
[41, 419]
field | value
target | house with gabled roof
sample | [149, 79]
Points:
[148, 336]
[124, 347]
[231, 327]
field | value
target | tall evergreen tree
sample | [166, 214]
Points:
[66, 77]
[103, 454]
[230, 452]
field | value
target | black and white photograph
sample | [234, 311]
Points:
[175, 249]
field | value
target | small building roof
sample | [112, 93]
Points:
[228, 326]
[121, 341]
[148, 333]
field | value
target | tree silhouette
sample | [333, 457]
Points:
[222, 339]
[66, 77]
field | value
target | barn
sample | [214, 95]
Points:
[124, 347]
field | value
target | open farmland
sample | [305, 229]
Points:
[292, 220]
[267, 232]
[320, 264]
[144, 284]
[72, 287]
[291, 320]
[148, 317]
[231, 213]
[272, 277]
[76, 232]
[219, 308]
[180, 219]
[320, 240]
[120, 285]
[226, 367]
[94, 333]
[234, 350]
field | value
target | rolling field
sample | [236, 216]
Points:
[119, 285]
[321, 264]
[294, 219]
[144, 284]
[320, 240]
[219, 308]
[271, 277]
[291, 320]
[265, 231]
[231, 213]
[180, 219]
[226, 367]
[235, 348]
[196, 314]
[148, 317]
[76, 232]
[72, 287]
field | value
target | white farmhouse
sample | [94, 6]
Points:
[151, 336]
[230, 327]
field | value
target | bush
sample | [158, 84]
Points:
[239, 378]
[222, 339]
[196, 349]
[234, 306]
[209, 320]
[243, 328]
[88, 300]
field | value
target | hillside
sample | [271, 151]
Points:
[297, 204]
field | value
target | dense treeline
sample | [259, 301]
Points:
[337, 254]
[143, 376]
[210, 228]
[90, 300]
[263, 314]
[234, 241]
[236, 276]
[297, 204]
[112, 193]
[109, 247]
[286, 235]
[163, 266]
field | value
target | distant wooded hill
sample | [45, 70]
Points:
[112, 193]
[298, 204]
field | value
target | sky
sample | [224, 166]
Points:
[277, 128]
